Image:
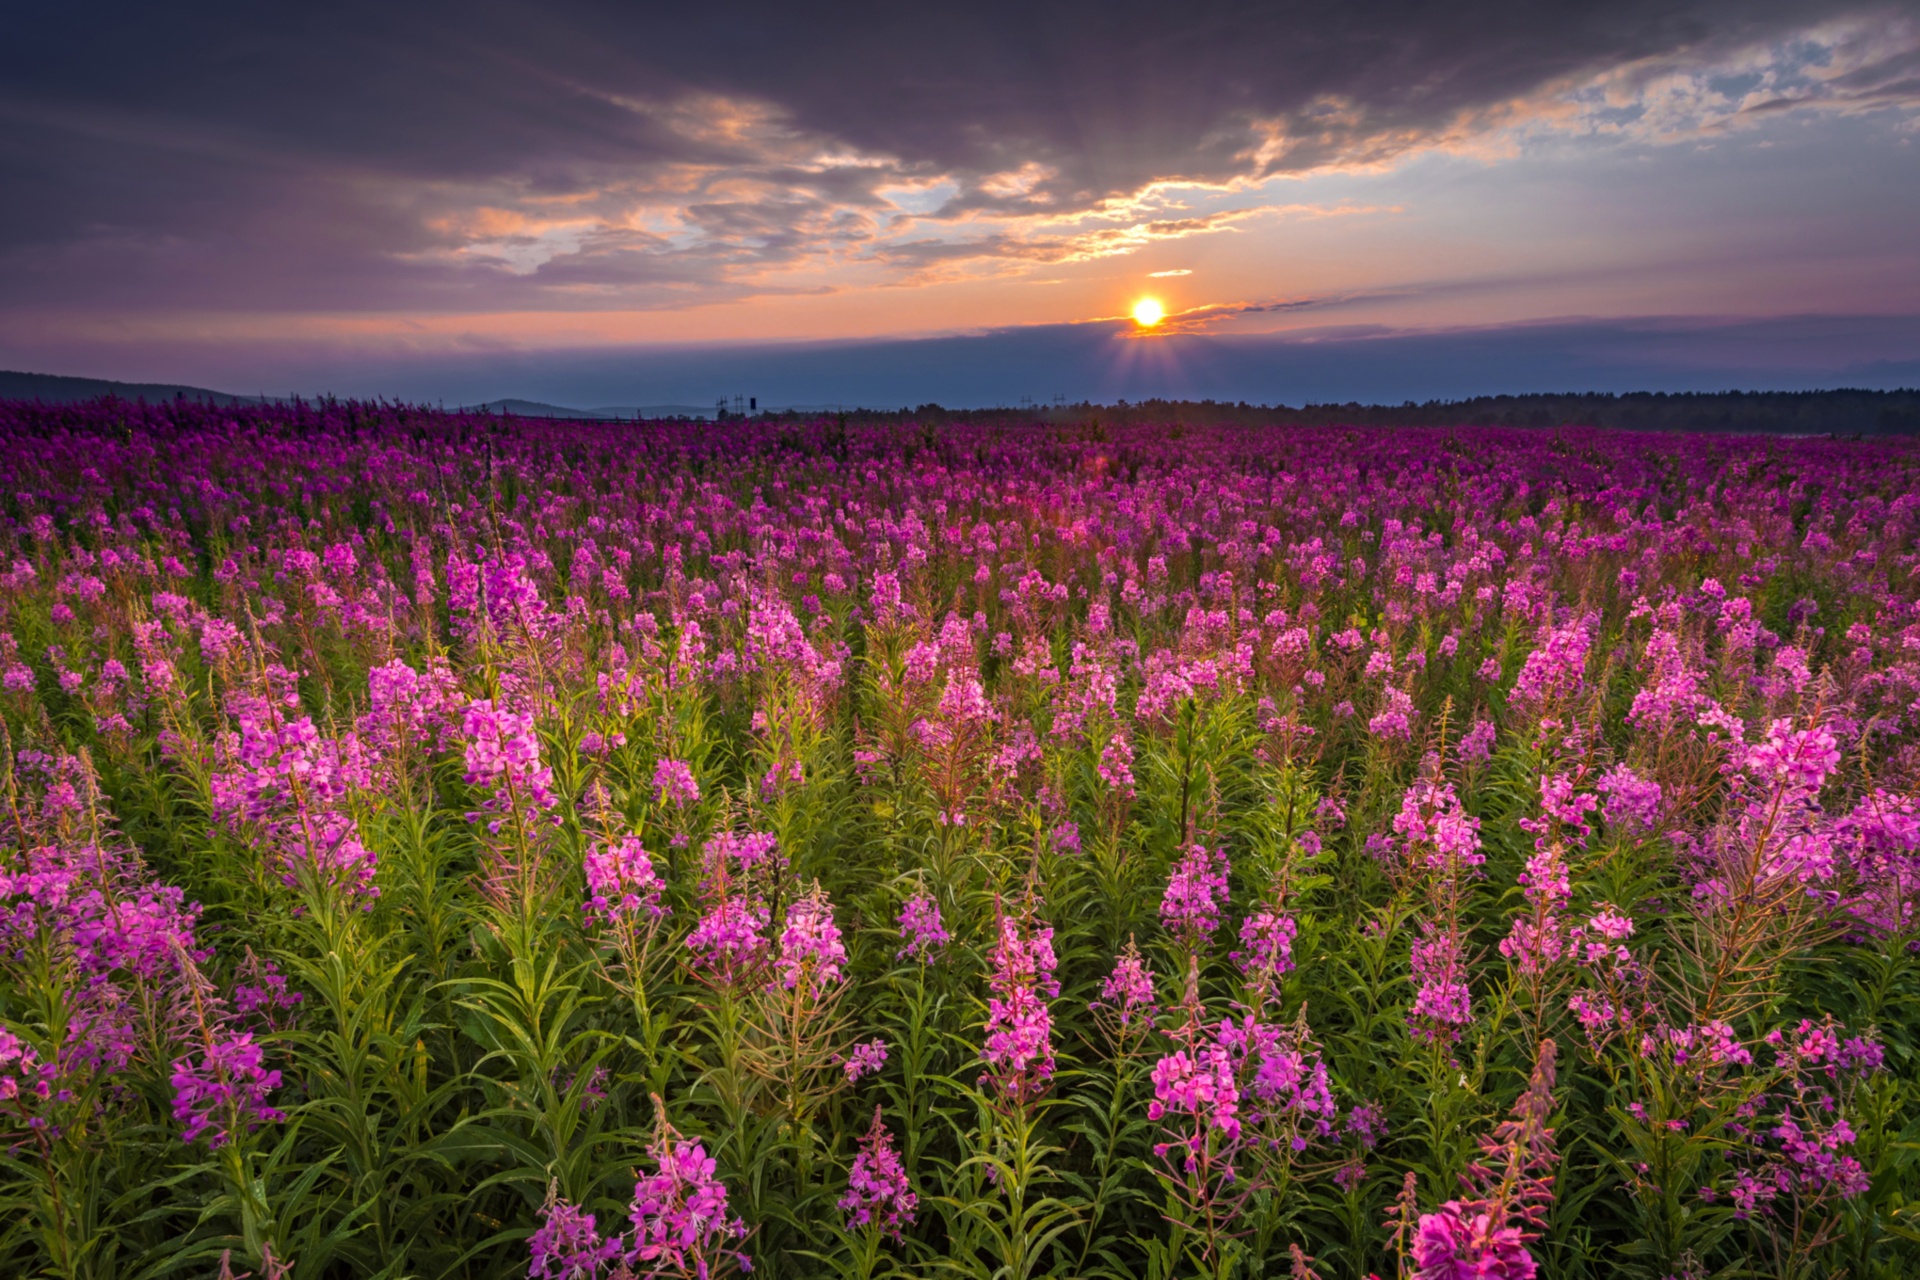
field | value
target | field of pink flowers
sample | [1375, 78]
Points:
[450, 846]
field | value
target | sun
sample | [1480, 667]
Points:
[1148, 312]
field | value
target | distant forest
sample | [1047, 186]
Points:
[1842, 412]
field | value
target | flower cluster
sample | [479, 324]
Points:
[503, 757]
[623, 890]
[1019, 1034]
[677, 1224]
[1127, 1004]
[878, 1194]
[921, 929]
[1196, 891]
[729, 943]
[812, 957]
[223, 1090]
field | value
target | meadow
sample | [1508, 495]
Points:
[451, 846]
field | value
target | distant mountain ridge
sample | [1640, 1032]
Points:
[54, 388]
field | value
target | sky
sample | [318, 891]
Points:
[621, 203]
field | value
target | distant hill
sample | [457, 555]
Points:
[537, 409]
[54, 389]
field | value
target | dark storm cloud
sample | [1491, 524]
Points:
[329, 155]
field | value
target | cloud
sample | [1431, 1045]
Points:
[432, 158]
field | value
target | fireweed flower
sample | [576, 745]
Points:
[291, 788]
[1284, 1082]
[878, 1194]
[25, 1081]
[1564, 812]
[811, 953]
[921, 929]
[1556, 669]
[1197, 889]
[674, 784]
[1266, 949]
[1633, 802]
[1476, 744]
[1097, 580]
[679, 1216]
[623, 889]
[503, 756]
[1879, 840]
[1127, 1006]
[1196, 1093]
[1442, 1003]
[1537, 941]
[1798, 1157]
[1434, 830]
[865, 1060]
[729, 943]
[568, 1245]
[1019, 1033]
[1485, 1238]
[1116, 765]
[224, 1089]
[744, 853]
[1794, 759]
[1455, 1242]
[261, 993]
[408, 709]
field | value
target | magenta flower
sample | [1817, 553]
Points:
[262, 994]
[568, 1245]
[1199, 1090]
[811, 953]
[1442, 1003]
[1436, 832]
[1127, 1004]
[865, 1060]
[1266, 954]
[622, 887]
[729, 943]
[1556, 668]
[877, 1190]
[1538, 941]
[1464, 1241]
[1196, 891]
[1633, 802]
[679, 1216]
[24, 1079]
[1019, 1040]
[674, 784]
[921, 929]
[224, 1090]
[743, 853]
[1116, 765]
[1796, 759]
[503, 756]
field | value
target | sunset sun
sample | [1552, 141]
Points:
[1148, 312]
